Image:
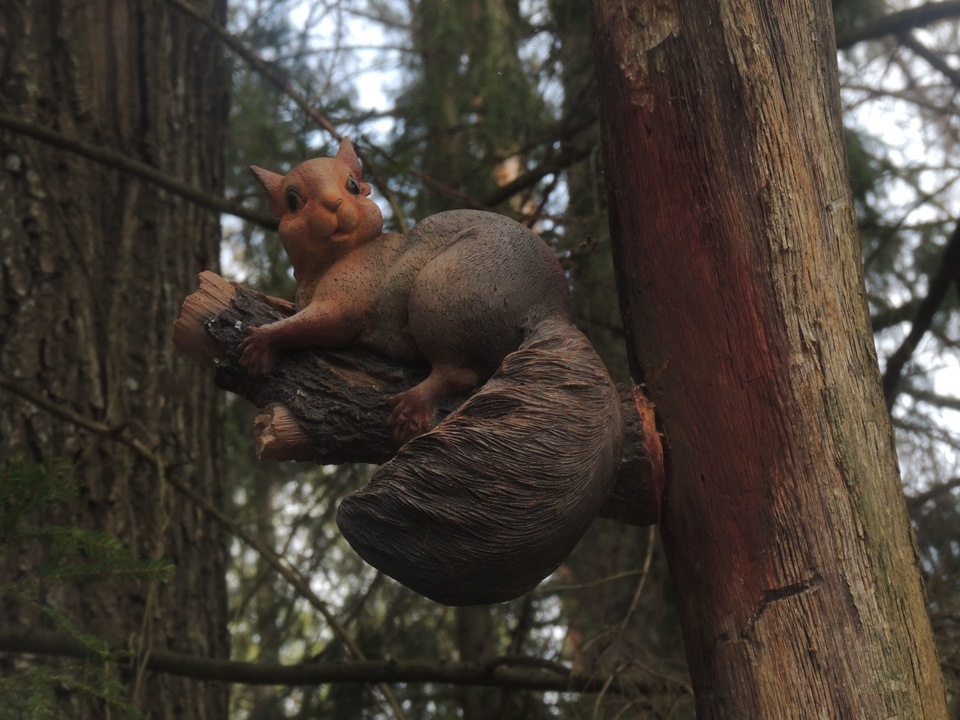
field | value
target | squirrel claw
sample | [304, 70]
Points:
[411, 416]
[255, 352]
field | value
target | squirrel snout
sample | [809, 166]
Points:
[332, 203]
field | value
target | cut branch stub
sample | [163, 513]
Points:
[331, 407]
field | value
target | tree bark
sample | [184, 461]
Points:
[741, 288]
[95, 263]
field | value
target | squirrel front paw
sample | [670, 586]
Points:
[412, 415]
[256, 352]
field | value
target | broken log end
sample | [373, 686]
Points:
[190, 334]
[280, 437]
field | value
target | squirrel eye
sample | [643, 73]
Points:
[353, 187]
[293, 200]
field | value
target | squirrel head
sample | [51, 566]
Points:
[323, 207]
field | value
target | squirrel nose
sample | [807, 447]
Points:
[333, 203]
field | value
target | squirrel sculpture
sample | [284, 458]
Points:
[488, 503]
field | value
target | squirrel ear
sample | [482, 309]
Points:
[271, 186]
[348, 156]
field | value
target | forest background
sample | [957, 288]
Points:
[493, 105]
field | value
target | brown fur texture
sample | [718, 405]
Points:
[486, 505]
[483, 507]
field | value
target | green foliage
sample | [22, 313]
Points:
[936, 522]
[867, 175]
[72, 557]
[71, 554]
[38, 692]
[26, 489]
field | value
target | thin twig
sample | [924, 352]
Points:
[645, 573]
[608, 683]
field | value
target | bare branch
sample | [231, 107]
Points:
[901, 22]
[948, 274]
[114, 159]
[935, 61]
[258, 64]
[561, 161]
[888, 317]
[915, 501]
[934, 399]
[508, 672]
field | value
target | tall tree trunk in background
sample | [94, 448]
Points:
[95, 264]
[585, 221]
[440, 48]
[783, 521]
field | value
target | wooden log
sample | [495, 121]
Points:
[331, 407]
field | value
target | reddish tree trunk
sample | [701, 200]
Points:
[783, 519]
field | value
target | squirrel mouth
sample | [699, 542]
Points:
[345, 229]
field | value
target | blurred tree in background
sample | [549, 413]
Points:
[492, 104]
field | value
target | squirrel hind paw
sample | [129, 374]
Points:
[412, 416]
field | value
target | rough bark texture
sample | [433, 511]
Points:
[783, 518]
[94, 266]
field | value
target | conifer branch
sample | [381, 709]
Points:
[937, 62]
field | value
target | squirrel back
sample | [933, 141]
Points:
[470, 286]
[484, 506]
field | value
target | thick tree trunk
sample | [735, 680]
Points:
[94, 266]
[783, 519]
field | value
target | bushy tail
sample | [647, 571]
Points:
[486, 505]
